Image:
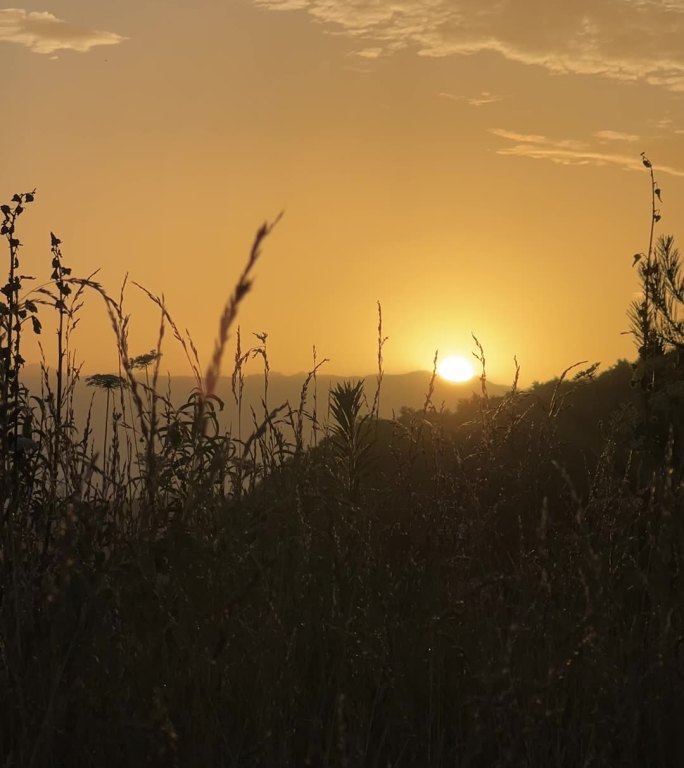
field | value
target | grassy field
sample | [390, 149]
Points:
[499, 586]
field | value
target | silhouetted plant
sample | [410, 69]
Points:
[108, 382]
[350, 434]
[143, 362]
[13, 313]
[653, 317]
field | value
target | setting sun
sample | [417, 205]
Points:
[455, 368]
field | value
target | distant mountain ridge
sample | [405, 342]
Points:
[397, 390]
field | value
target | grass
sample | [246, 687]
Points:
[491, 587]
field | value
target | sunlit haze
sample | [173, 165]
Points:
[475, 168]
[456, 368]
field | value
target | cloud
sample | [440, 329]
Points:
[616, 136]
[565, 144]
[370, 53]
[485, 97]
[569, 152]
[621, 39]
[42, 32]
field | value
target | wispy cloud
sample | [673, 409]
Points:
[484, 98]
[526, 138]
[569, 152]
[605, 136]
[665, 127]
[370, 53]
[622, 39]
[42, 32]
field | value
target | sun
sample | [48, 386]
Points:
[456, 368]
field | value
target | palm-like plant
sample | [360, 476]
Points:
[350, 433]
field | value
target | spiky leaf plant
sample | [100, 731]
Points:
[350, 434]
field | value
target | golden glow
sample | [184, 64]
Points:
[456, 368]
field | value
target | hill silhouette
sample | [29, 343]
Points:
[398, 391]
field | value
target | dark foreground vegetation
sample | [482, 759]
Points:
[499, 586]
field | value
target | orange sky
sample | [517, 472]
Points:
[472, 165]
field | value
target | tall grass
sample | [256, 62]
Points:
[443, 589]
